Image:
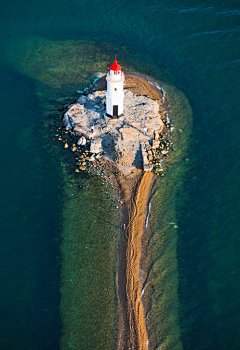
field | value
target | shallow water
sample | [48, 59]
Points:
[162, 305]
[195, 46]
[89, 262]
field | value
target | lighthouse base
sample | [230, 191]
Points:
[114, 107]
[115, 113]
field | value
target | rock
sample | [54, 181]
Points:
[155, 144]
[96, 146]
[71, 121]
[82, 141]
[81, 100]
[150, 157]
[118, 139]
[147, 166]
[68, 126]
[74, 148]
[65, 119]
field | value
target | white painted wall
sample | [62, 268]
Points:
[115, 94]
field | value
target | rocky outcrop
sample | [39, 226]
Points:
[126, 140]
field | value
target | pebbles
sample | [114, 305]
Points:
[156, 155]
[83, 161]
[74, 148]
[82, 151]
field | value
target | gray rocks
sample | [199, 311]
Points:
[128, 140]
[65, 119]
[96, 146]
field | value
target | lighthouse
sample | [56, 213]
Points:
[115, 95]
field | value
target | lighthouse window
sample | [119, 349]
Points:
[115, 89]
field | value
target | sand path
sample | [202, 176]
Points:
[138, 330]
[135, 193]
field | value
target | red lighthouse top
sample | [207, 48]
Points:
[115, 66]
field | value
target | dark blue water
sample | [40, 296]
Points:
[30, 201]
[196, 46]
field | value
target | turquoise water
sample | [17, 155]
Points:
[195, 45]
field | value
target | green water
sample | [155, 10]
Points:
[90, 226]
[89, 262]
[90, 217]
[194, 45]
[161, 289]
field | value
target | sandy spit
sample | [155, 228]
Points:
[138, 330]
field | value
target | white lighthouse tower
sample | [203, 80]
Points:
[115, 95]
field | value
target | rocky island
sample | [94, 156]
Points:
[129, 151]
[137, 139]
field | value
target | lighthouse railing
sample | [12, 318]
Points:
[116, 78]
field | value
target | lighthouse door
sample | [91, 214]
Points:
[115, 111]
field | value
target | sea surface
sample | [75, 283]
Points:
[192, 45]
